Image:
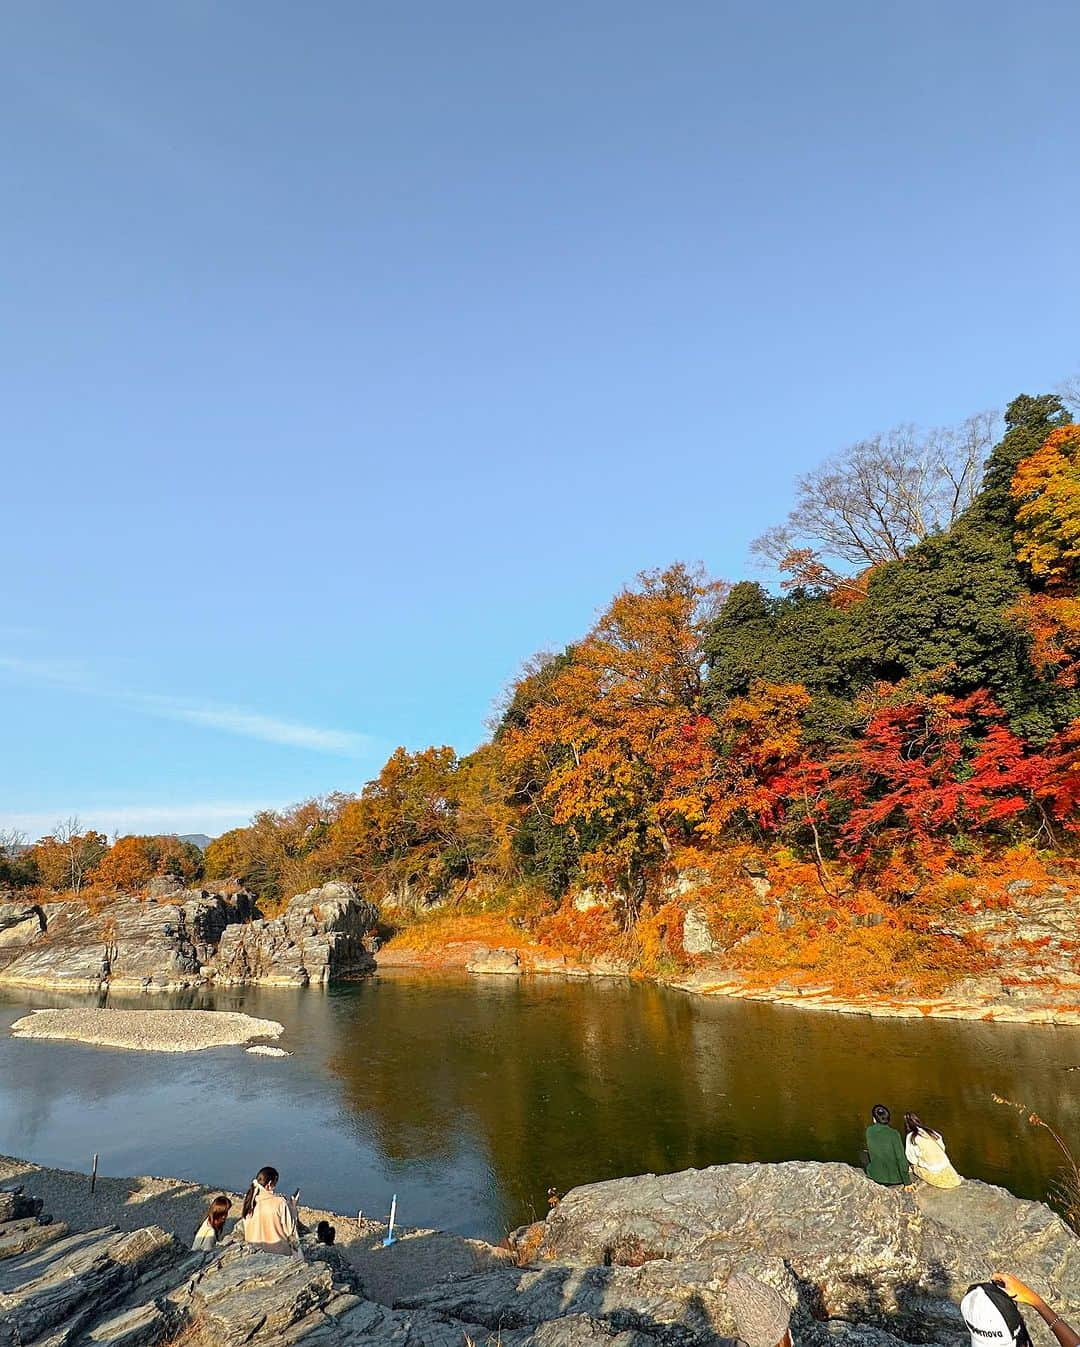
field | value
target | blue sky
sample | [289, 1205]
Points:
[352, 352]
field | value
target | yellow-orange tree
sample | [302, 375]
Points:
[396, 837]
[64, 859]
[605, 739]
[427, 827]
[132, 861]
[275, 856]
[1046, 487]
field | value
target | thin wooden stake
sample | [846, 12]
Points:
[93, 1173]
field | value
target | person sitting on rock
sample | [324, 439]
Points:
[325, 1233]
[269, 1220]
[209, 1235]
[992, 1319]
[762, 1316]
[887, 1163]
[926, 1155]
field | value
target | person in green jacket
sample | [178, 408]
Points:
[888, 1163]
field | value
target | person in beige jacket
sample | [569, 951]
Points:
[269, 1220]
[925, 1151]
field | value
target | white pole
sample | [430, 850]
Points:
[390, 1230]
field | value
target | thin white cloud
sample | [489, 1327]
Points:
[253, 725]
[206, 816]
[71, 673]
[76, 676]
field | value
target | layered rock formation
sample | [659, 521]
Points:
[126, 943]
[320, 935]
[1034, 942]
[634, 1263]
[186, 939]
[1030, 931]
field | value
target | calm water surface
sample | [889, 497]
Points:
[469, 1097]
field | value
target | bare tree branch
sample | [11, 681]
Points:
[875, 500]
[12, 843]
[1069, 392]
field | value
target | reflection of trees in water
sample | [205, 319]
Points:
[563, 1083]
[474, 1095]
[802, 1084]
[557, 1083]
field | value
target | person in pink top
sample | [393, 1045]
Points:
[269, 1220]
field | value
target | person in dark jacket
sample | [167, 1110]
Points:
[888, 1163]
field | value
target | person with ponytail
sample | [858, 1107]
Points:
[926, 1154]
[269, 1220]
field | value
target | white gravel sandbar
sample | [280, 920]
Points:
[148, 1030]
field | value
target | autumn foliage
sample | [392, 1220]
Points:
[1046, 487]
[875, 738]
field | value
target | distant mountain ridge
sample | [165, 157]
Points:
[199, 840]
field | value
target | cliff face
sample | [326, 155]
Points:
[183, 940]
[319, 936]
[638, 1262]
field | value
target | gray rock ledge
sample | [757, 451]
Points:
[638, 1262]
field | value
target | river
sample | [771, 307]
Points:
[470, 1097]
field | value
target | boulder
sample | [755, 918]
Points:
[588, 900]
[21, 924]
[686, 883]
[895, 1260]
[192, 937]
[76, 1281]
[609, 966]
[15, 1205]
[484, 960]
[1032, 943]
[549, 963]
[320, 936]
[163, 886]
[697, 938]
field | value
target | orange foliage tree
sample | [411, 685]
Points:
[606, 738]
[428, 825]
[1047, 488]
[65, 858]
[275, 856]
[132, 861]
[758, 739]
[126, 866]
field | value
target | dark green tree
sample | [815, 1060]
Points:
[798, 638]
[945, 610]
[1028, 421]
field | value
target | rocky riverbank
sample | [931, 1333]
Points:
[1031, 941]
[976, 999]
[639, 1262]
[1029, 937]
